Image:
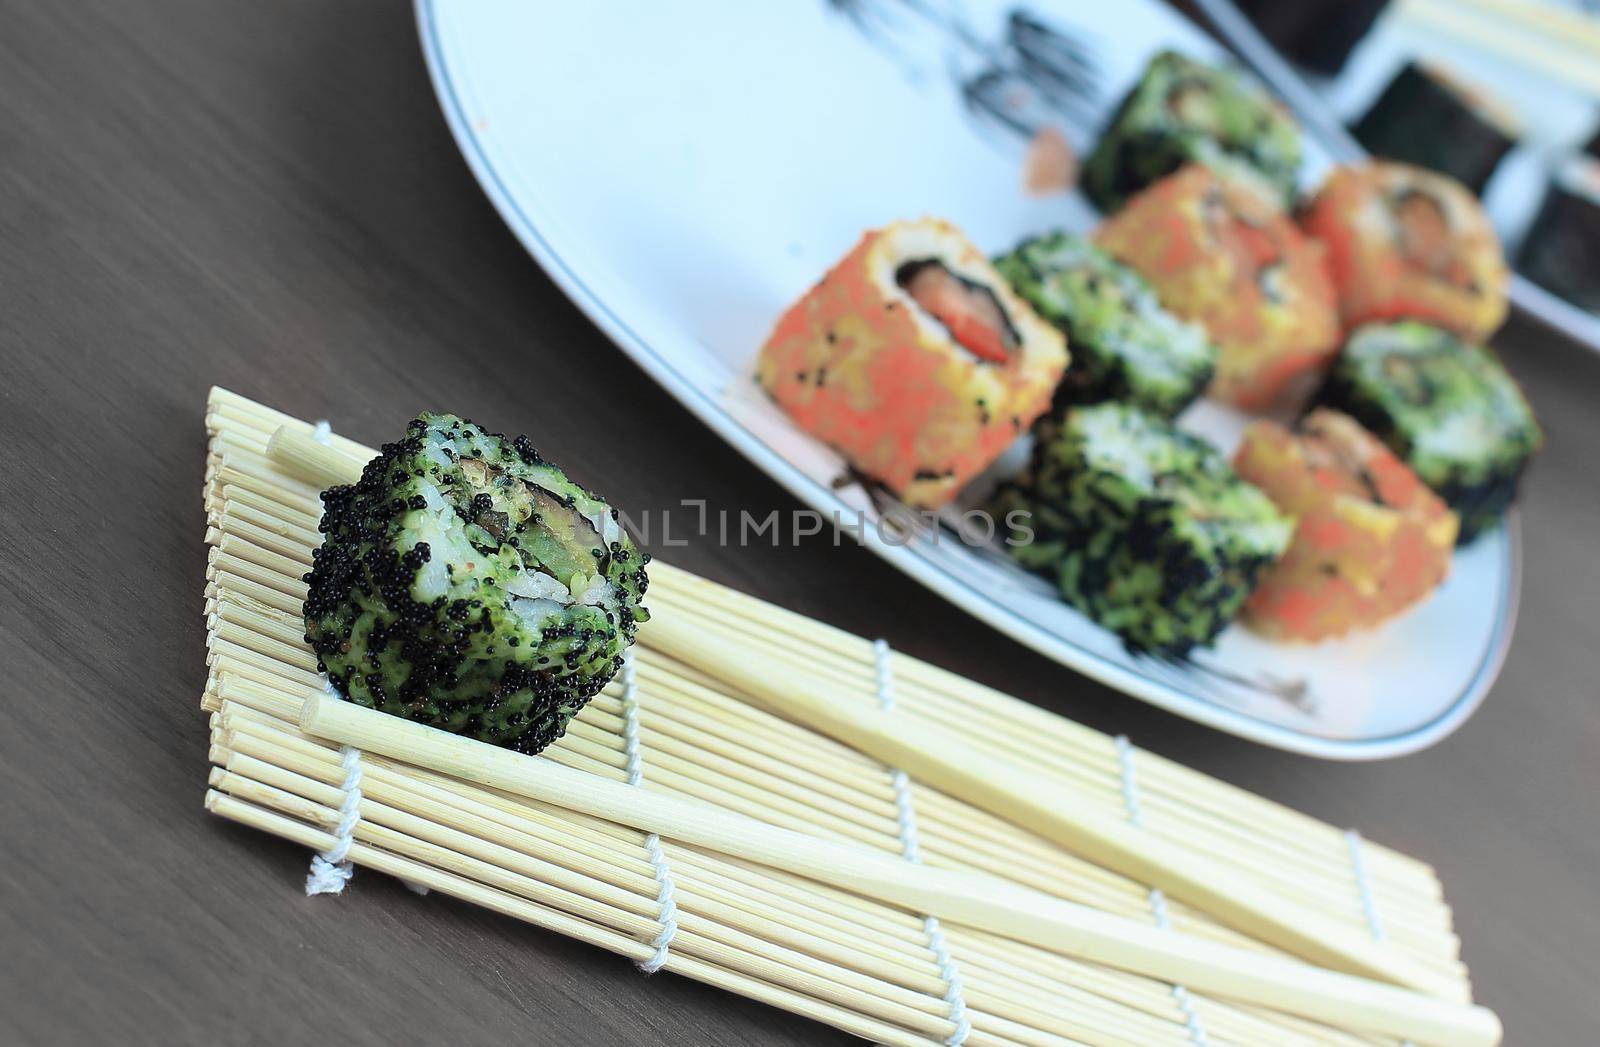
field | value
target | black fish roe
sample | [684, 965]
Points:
[1144, 528]
[466, 583]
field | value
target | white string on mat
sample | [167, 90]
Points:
[1358, 864]
[906, 814]
[331, 869]
[666, 892]
[1356, 847]
[1158, 900]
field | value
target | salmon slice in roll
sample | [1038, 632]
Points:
[913, 359]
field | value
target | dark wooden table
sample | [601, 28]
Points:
[264, 196]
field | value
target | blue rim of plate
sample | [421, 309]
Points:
[957, 592]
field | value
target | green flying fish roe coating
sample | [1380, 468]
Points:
[1144, 528]
[1124, 345]
[1448, 408]
[1182, 111]
[466, 583]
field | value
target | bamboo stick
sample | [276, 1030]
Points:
[1005, 850]
[993, 905]
[1098, 900]
[944, 760]
[330, 771]
[243, 772]
[793, 664]
[498, 901]
[1033, 735]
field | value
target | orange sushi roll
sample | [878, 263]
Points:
[914, 360]
[1220, 253]
[1370, 538]
[1406, 242]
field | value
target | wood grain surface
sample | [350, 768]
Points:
[263, 195]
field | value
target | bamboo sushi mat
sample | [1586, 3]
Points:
[860, 966]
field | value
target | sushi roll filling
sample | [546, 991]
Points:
[968, 310]
[1193, 103]
[1422, 229]
[1249, 242]
[548, 550]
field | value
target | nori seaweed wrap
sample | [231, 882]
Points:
[466, 583]
[1144, 528]
[1428, 117]
[1182, 111]
[1318, 37]
[1446, 407]
[1562, 249]
[1125, 346]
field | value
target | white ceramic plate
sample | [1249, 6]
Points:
[683, 171]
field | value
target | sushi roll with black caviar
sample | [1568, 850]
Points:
[1144, 528]
[1182, 112]
[1429, 117]
[466, 583]
[1125, 346]
[1562, 249]
[1446, 407]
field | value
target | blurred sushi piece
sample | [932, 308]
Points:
[1144, 528]
[1370, 539]
[1429, 117]
[1405, 242]
[1447, 408]
[1223, 255]
[1125, 346]
[914, 360]
[1182, 112]
[1561, 251]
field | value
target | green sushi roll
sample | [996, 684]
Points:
[1144, 528]
[466, 583]
[1124, 345]
[1446, 407]
[1182, 111]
